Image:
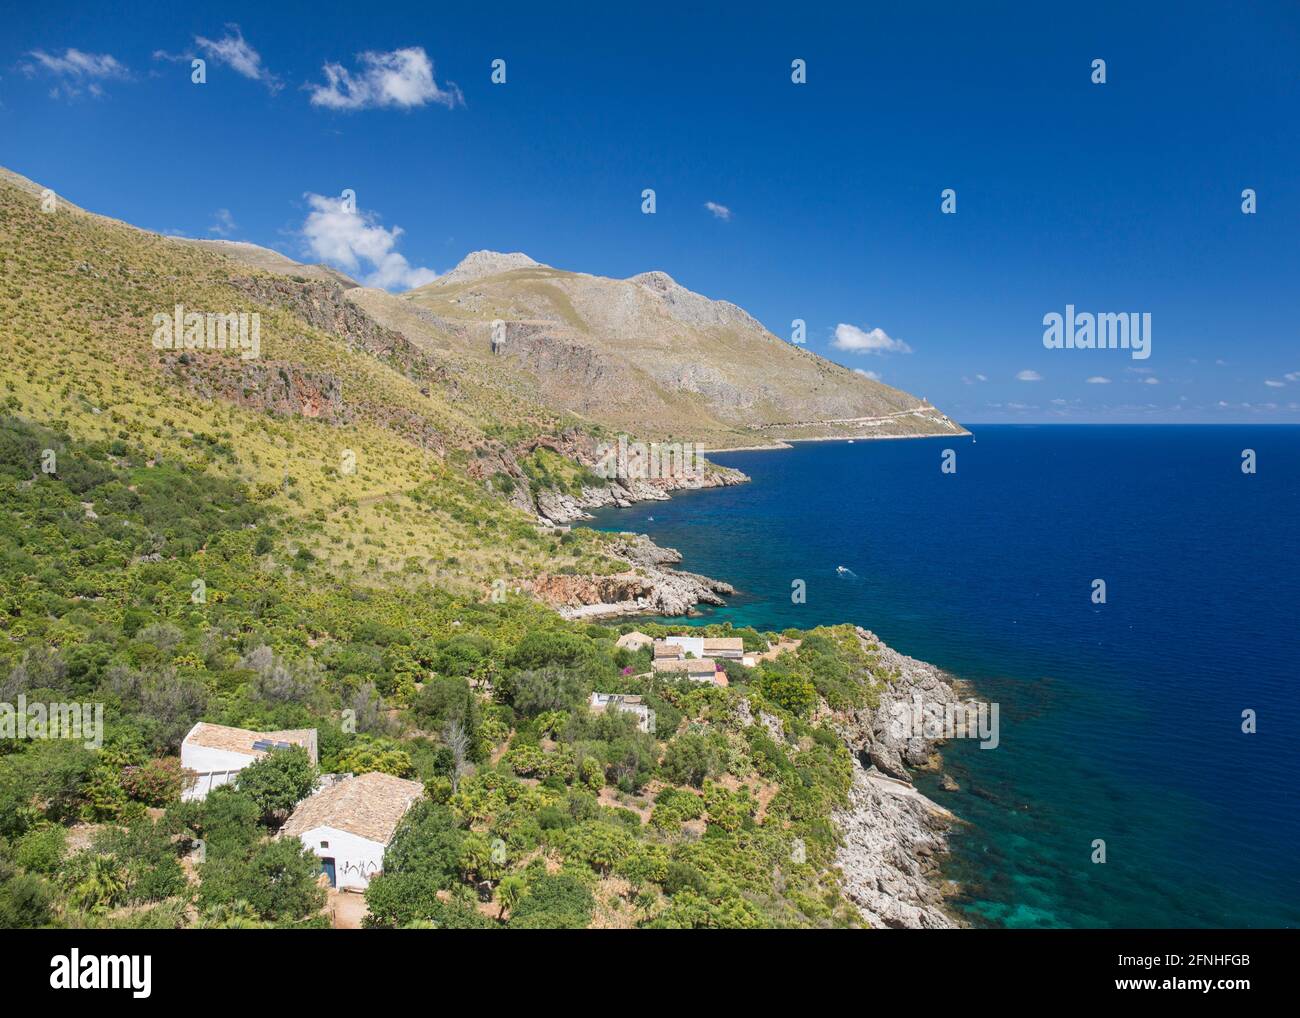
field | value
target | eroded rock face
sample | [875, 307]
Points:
[277, 387]
[553, 507]
[641, 590]
[891, 839]
[561, 591]
[870, 732]
[893, 835]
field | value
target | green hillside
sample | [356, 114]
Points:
[313, 538]
[366, 442]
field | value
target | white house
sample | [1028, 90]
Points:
[702, 670]
[625, 702]
[216, 754]
[692, 645]
[350, 822]
[730, 647]
[634, 640]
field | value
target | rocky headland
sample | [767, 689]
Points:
[649, 586]
[893, 834]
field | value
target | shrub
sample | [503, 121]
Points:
[559, 902]
[278, 782]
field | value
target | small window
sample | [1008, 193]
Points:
[324, 844]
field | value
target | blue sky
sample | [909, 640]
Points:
[1119, 197]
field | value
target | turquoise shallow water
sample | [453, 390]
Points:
[1119, 721]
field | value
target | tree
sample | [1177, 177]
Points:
[510, 892]
[785, 683]
[102, 887]
[367, 708]
[41, 849]
[407, 901]
[559, 902]
[278, 881]
[371, 754]
[426, 843]
[147, 854]
[226, 821]
[155, 782]
[533, 692]
[25, 902]
[475, 857]
[278, 782]
[458, 744]
[691, 757]
[447, 699]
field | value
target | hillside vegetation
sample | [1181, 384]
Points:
[367, 443]
[546, 815]
[331, 535]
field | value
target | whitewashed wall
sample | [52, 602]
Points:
[356, 859]
[204, 760]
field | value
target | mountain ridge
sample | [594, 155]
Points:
[648, 355]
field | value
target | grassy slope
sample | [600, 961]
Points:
[75, 319]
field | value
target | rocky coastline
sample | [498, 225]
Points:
[558, 508]
[894, 835]
[649, 586]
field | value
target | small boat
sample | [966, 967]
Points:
[842, 569]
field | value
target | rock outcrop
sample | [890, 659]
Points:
[648, 587]
[892, 838]
[894, 835]
[555, 507]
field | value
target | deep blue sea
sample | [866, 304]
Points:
[1121, 721]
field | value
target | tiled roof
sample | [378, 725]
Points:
[369, 805]
[240, 740]
[634, 639]
[723, 643]
[692, 666]
[668, 650]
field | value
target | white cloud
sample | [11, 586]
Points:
[719, 211]
[1099, 380]
[1273, 383]
[1029, 376]
[233, 50]
[403, 78]
[223, 223]
[868, 374]
[855, 340]
[75, 70]
[1151, 381]
[352, 239]
[1292, 376]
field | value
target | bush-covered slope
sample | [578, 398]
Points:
[169, 593]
